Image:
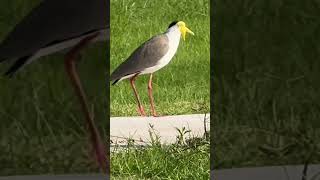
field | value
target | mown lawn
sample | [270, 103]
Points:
[186, 159]
[183, 86]
[42, 128]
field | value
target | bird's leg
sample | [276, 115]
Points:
[97, 144]
[140, 107]
[151, 97]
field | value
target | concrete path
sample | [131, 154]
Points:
[57, 177]
[138, 128]
[267, 173]
[292, 172]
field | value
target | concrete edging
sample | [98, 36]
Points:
[137, 128]
[288, 172]
[57, 177]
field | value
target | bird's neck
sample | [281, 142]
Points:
[173, 31]
[174, 35]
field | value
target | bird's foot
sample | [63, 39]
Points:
[154, 114]
[141, 111]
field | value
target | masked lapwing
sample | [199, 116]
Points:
[54, 26]
[151, 56]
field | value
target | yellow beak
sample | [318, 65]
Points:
[184, 31]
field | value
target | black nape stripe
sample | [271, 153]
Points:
[172, 24]
[16, 66]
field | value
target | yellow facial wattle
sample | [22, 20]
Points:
[183, 29]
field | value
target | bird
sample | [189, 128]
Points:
[61, 26]
[148, 58]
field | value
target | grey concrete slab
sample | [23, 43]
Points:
[57, 177]
[290, 172]
[138, 128]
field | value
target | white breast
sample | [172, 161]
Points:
[173, 35]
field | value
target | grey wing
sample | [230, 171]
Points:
[147, 55]
[52, 21]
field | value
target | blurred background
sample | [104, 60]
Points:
[42, 129]
[265, 82]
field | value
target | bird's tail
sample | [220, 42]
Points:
[115, 82]
[16, 66]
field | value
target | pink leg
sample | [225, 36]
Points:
[151, 97]
[140, 107]
[70, 66]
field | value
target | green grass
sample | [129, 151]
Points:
[178, 161]
[182, 87]
[266, 83]
[42, 128]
